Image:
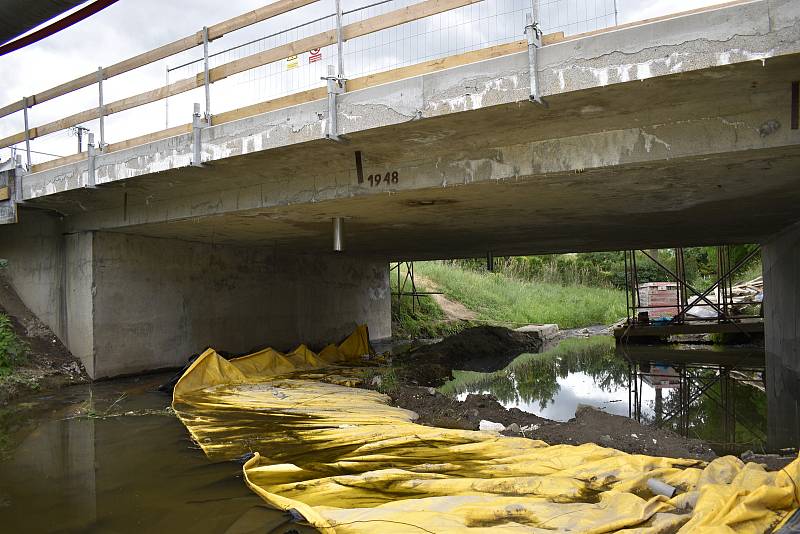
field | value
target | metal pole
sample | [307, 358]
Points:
[339, 42]
[616, 14]
[534, 35]
[90, 161]
[27, 132]
[338, 238]
[101, 107]
[197, 128]
[206, 78]
[166, 101]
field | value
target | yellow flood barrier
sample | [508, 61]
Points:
[346, 461]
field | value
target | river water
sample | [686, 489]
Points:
[111, 457]
[594, 371]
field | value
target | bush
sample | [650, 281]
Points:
[13, 351]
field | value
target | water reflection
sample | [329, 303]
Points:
[594, 371]
[125, 464]
[553, 383]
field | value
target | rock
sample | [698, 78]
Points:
[514, 427]
[377, 381]
[490, 426]
[432, 391]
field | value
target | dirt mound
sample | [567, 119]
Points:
[481, 348]
[49, 364]
[589, 425]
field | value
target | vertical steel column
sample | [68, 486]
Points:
[90, 160]
[339, 41]
[197, 128]
[206, 78]
[336, 80]
[27, 132]
[166, 101]
[616, 14]
[101, 108]
[18, 173]
[338, 234]
[534, 35]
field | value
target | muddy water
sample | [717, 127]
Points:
[111, 457]
[593, 371]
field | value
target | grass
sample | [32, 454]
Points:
[424, 320]
[503, 300]
[13, 351]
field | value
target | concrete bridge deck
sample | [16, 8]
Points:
[677, 132]
[679, 127]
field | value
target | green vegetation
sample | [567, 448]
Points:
[534, 377]
[13, 351]
[384, 379]
[423, 319]
[607, 269]
[502, 299]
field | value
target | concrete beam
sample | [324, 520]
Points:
[714, 39]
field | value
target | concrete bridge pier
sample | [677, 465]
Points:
[781, 260]
[126, 303]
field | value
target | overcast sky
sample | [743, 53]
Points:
[130, 27]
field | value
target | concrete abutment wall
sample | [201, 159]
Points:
[781, 260]
[125, 303]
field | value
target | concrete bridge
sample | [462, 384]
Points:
[680, 131]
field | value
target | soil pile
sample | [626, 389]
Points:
[481, 348]
[589, 425]
[49, 364]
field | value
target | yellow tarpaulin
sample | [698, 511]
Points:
[346, 461]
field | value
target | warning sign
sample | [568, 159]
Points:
[315, 55]
[291, 62]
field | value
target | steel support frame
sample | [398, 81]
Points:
[725, 279]
[91, 177]
[197, 139]
[206, 79]
[534, 36]
[337, 83]
[692, 387]
[101, 108]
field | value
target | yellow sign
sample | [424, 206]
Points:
[291, 62]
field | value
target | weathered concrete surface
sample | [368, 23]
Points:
[35, 254]
[156, 301]
[679, 128]
[781, 260]
[125, 303]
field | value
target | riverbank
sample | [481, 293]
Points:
[41, 361]
[422, 379]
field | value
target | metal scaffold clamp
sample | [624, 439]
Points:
[197, 142]
[91, 160]
[534, 35]
[336, 86]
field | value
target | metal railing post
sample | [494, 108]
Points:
[27, 132]
[534, 35]
[339, 42]
[197, 129]
[206, 78]
[19, 172]
[166, 101]
[90, 159]
[101, 108]
[335, 87]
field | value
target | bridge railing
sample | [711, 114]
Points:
[286, 67]
[379, 42]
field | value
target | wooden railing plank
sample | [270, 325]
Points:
[350, 31]
[162, 52]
